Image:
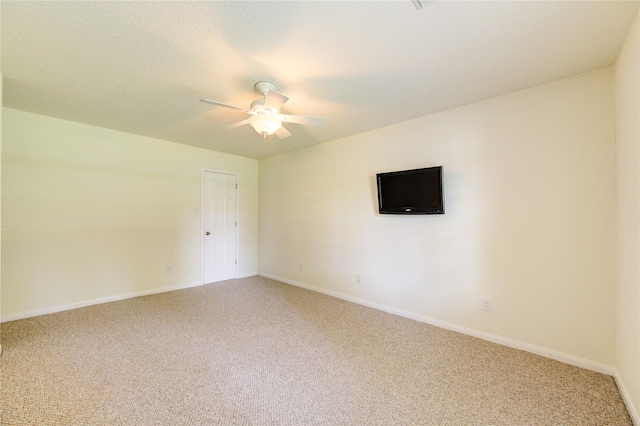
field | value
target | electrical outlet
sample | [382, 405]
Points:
[358, 279]
[487, 304]
[169, 269]
[300, 267]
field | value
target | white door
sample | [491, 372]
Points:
[220, 225]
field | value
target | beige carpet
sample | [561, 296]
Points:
[258, 352]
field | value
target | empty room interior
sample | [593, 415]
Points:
[171, 155]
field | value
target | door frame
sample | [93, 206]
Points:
[202, 219]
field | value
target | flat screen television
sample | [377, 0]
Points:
[417, 191]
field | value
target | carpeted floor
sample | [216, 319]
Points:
[258, 352]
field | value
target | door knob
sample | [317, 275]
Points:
[207, 233]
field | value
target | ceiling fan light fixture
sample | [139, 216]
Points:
[265, 124]
[264, 115]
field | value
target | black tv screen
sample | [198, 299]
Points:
[416, 191]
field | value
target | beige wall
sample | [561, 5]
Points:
[1, 91]
[530, 218]
[628, 181]
[91, 214]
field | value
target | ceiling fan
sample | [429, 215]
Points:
[419, 3]
[265, 117]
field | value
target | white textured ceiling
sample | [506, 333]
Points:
[141, 67]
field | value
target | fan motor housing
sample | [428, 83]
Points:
[263, 87]
[258, 107]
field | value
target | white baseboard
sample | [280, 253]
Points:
[253, 274]
[538, 350]
[627, 399]
[69, 306]
[516, 344]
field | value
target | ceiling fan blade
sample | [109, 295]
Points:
[275, 100]
[282, 133]
[236, 124]
[302, 119]
[209, 101]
